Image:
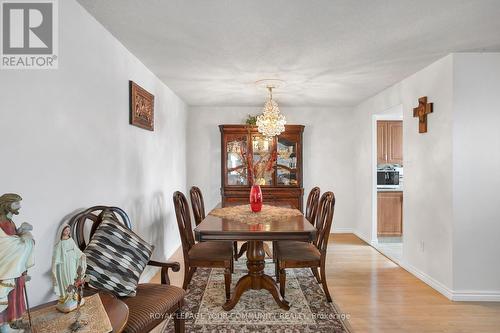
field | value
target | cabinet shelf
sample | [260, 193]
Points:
[235, 168]
[287, 168]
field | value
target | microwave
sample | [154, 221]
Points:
[387, 177]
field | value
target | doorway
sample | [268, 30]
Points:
[388, 183]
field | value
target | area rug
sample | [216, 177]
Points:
[257, 311]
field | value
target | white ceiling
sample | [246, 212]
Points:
[330, 52]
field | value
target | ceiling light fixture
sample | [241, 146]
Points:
[270, 123]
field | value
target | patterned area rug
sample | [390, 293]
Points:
[257, 311]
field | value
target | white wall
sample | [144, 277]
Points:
[328, 155]
[427, 198]
[427, 205]
[452, 174]
[476, 174]
[380, 104]
[67, 144]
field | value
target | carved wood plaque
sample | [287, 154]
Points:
[141, 107]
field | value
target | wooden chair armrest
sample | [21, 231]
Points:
[174, 265]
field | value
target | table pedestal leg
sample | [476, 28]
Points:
[244, 248]
[256, 279]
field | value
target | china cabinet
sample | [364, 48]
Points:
[273, 163]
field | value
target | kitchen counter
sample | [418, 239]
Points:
[397, 189]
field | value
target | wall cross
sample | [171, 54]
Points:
[421, 111]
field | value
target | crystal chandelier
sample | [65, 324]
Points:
[271, 123]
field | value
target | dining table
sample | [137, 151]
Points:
[239, 223]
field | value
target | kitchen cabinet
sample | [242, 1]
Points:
[390, 142]
[390, 213]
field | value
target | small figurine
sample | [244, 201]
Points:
[67, 261]
[16, 256]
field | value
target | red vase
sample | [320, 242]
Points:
[256, 198]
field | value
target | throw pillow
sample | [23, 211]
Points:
[116, 257]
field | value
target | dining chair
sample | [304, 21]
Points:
[312, 204]
[311, 211]
[211, 254]
[296, 254]
[198, 206]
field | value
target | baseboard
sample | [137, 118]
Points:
[476, 296]
[363, 238]
[457, 296]
[431, 282]
[414, 271]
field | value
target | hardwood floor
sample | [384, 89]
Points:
[379, 296]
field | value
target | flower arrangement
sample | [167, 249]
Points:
[257, 170]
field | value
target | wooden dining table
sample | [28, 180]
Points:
[271, 224]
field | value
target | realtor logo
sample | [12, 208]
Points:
[29, 34]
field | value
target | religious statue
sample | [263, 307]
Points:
[68, 263]
[16, 256]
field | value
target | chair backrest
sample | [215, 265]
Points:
[324, 220]
[312, 205]
[197, 204]
[92, 215]
[184, 222]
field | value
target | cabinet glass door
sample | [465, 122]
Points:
[286, 171]
[263, 152]
[236, 164]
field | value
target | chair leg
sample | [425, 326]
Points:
[178, 322]
[188, 275]
[277, 270]
[314, 270]
[282, 282]
[323, 281]
[274, 251]
[235, 250]
[227, 281]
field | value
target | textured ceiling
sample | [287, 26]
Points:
[329, 52]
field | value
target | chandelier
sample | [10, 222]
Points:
[271, 123]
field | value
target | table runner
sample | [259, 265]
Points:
[244, 214]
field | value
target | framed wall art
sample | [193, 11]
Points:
[142, 112]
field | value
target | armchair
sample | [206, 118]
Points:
[162, 299]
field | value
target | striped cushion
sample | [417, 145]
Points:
[116, 257]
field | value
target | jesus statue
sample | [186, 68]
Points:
[16, 256]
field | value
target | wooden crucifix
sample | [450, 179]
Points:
[421, 111]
